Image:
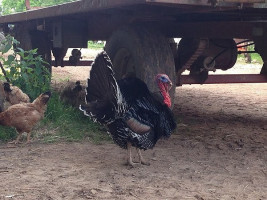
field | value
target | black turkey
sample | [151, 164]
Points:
[126, 107]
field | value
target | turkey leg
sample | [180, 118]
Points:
[129, 159]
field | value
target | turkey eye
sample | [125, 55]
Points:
[163, 79]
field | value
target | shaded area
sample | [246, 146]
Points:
[218, 152]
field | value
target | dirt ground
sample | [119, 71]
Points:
[219, 151]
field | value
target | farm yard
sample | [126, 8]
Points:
[218, 151]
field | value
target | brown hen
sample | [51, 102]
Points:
[24, 116]
[14, 95]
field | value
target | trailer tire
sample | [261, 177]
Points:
[143, 53]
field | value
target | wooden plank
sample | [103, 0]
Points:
[85, 6]
[67, 9]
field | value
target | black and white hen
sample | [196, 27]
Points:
[131, 114]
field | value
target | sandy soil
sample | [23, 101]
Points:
[219, 151]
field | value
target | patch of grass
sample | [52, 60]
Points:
[255, 58]
[7, 134]
[59, 79]
[63, 122]
[95, 45]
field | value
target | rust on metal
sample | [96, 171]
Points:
[229, 78]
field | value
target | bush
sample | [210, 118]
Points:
[28, 72]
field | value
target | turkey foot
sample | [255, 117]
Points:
[129, 159]
[132, 164]
[141, 159]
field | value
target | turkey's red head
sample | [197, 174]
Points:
[164, 84]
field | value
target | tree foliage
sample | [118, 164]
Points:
[12, 6]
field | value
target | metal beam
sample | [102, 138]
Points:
[85, 63]
[187, 79]
[229, 78]
[222, 29]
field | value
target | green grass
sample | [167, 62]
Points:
[94, 45]
[62, 123]
[7, 134]
[255, 58]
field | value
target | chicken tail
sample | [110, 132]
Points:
[42, 100]
[46, 96]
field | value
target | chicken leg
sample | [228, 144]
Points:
[28, 138]
[16, 141]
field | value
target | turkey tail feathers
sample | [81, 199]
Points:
[102, 83]
[103, 96]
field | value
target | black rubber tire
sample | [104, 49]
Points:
[142, 52]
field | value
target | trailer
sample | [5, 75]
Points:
[139, 36]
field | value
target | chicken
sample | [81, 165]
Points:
[75, 57]
[24, 116]
[13, 95]
[131, 114]
[72, 93]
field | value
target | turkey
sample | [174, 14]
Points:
[133, 117]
